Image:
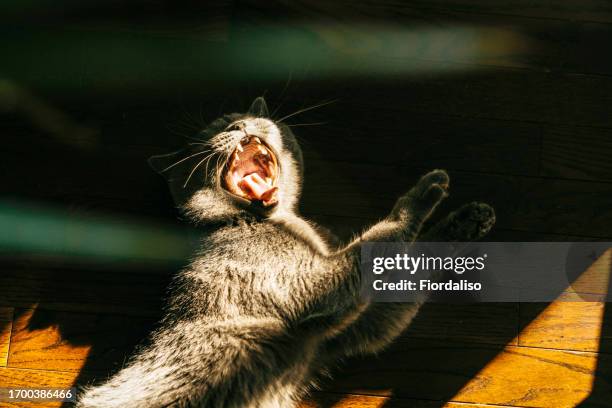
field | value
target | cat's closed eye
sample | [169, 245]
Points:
[235, 126]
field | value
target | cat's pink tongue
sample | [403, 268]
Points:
[258, 189]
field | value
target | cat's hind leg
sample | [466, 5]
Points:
[208, 364]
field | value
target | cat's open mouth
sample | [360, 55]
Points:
[251, 172]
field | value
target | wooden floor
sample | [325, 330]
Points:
[527, 128]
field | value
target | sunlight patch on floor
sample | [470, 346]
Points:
[531, 376]
[44, 348]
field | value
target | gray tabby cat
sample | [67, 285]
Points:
[266, 304]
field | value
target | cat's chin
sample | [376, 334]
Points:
[251, 172]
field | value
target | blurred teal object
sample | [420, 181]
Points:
[106, 61]
[28, 229]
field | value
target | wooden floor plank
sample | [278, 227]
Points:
[594, 281]
[85, 290]
[64, 341]
[511, 375]
[482, 145]
[424, 140]
[330, 400]
[566, 325]
[577, 152]
[491, 323]
[6, 324]
[345, 228]
[576, 320]
[521, 203]
[492, 94]
[12, 377]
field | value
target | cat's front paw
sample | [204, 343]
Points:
[438, 176]
[469, 223]
[424, 196]
[474, 220]
[431, 188]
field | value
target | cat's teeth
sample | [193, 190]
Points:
[239, 147]
[256, 139]
[263, 150]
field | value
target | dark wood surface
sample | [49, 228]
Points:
[518, 113]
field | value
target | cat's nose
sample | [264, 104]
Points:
[248, 139]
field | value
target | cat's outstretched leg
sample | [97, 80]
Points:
[334, 285]
[381, 323]
[410, 211]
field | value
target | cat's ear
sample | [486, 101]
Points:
[259, 108]
[163, 163]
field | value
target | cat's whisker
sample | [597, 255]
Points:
[193, 171]
[280, 98]
[209, 157]
[307, 109]
[182, 160]
[217, 165]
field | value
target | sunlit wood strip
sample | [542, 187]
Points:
[570, 324]
[43, 347]
[333, 400]
[6, 321]
[21, 378]
[532, 377]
